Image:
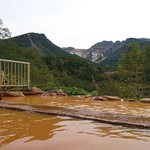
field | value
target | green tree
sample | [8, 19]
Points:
[4, 32]
[131, 68]
[146, 52]
[147, 62]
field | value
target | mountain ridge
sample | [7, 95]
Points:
[108, 52]
[40, 42]
[51, 67]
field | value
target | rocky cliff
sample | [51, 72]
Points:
[106, 52]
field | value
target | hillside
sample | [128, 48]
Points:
[107, 53]
[114, 56]
[39, 42]
[51, 67]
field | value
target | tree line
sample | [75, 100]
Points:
[78, 76]
[132, 77]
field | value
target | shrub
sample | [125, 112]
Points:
[73, 90]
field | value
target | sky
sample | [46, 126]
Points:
[78, 23]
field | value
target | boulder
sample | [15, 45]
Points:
[33, 91]
[112, 98]
[62, 94]
[131, 100]
[87, 96]
[99, 98]
[54, 93]
[14, 94]
[48, 93]
[108, 98]
[145, 100]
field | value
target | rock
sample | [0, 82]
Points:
[54, 93]
[99, 98]
[145, 100]
[14, 94]
[112, 98]
[108, 98]
[33, 91]
[131, 100]
[87, 96]
[48, 93]
[62, 94]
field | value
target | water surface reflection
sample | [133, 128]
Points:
[24, 130]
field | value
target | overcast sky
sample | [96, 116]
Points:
[78, 23]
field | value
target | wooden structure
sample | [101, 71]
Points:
[14, 74]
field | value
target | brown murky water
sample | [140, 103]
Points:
[108, 106]
[24, 130]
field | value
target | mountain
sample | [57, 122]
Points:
[51, 66]
[98, 52]
[113, 56]
[107, 52]
[39, 42]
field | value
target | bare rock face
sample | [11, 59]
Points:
[108, 98]
[54, 93]
[145, 100]
[14, 94]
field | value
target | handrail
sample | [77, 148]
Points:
[14, 73]
[21, 62]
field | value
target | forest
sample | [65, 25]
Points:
[132, 77]
[53, 68]
[53, 72]
[77, 76]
